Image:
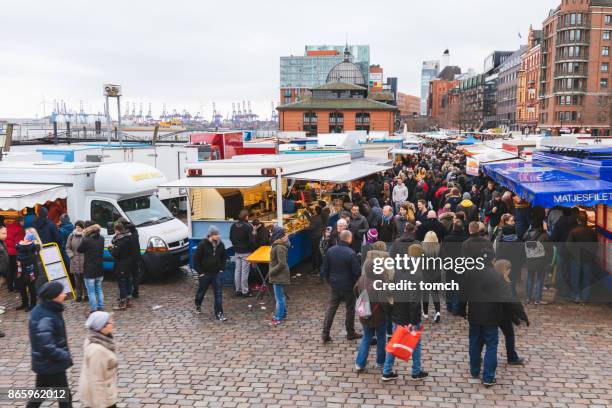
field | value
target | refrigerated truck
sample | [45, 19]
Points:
[103, 193]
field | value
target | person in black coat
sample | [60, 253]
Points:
[511, 247]
[136, 269]
[483, 289]
[92, 246]
[560, 231]
[47, 231]
[50, 353]
[451, 248]
[209, 261]
[316, 232]
[473, 246]
[494, 211]
[341, 268]
[431, 224]
[242, 241]
[121, 250]
[387, 227]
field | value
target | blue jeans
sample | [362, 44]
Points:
[364, 346]
[204, 282]
[539, 284]
[481, 336]
[94, 292]
[281, 308]
[581, 282]
[416, 359]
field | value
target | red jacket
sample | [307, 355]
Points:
[14, 234]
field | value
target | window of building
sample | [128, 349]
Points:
[336, 122]
[572, 19]
[605, 51]
[608, 19]
[604, 67]
[606, 35]
[603, 83]
[310, 123]
[362, 121]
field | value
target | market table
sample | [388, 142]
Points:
[261, 256]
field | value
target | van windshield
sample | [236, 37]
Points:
[144, 211]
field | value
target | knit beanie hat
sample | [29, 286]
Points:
[372, 235]
[212, 230]
[467, 196]
[50, 290]
[97, 320]
[277, 233]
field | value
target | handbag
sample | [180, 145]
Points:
[362, 305]
[404, 341]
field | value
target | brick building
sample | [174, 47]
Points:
[337, 107]
[575, 68]
[527, 102]
[408, 105]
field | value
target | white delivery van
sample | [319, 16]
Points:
[103, 193]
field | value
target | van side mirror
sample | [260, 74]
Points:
[110, 228]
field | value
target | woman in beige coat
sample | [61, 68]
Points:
[98, 382]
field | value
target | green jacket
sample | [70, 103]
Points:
[279, 267]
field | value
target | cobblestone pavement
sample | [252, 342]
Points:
[169, 356]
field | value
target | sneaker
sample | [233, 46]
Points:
[221, 317]
[359, 370]
[542, 302]
[420, 376]
[326, 338]
[275, 322]
[425, 316]
[437, 317]
[389, 377]
[198, 309]
[379, 366]
[475, 376]
[354, 336]
[520, 361]
[2, 334]
[489, 383]
[120, 306]
[238, 294]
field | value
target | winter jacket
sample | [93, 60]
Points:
[470, 210]
[279, 267]
[261, 237]
[400, 225]
[431, 224]
[121, 250]
[46, 229]
[358, 227]
[582, 244]
[77, 260]
[98, 381]
[316, 227]
[376, 213]
[483, 290]
[405, 306]
[14, 234]
[376, 298]
[387, 230]
[453, 201]
[50, 354]
[27, 256]
[209, 259]
[341, 267]
[495, 217]
[522, 212]
[563, 227]
[510, 247]
[135, 244]
[65, 229]
[473, 246]
[92, 247]
[432, 250]
[241, 237]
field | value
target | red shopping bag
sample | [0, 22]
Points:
[404, 341]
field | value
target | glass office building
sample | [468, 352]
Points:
[430, 70]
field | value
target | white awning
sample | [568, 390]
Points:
[494, 156]
[216, 182]
[16, 197]
[340, 174]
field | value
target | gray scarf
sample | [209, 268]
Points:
[103, 340]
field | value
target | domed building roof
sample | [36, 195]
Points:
[346, 72]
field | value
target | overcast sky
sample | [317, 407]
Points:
[189, 53]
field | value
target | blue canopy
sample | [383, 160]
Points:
[468, 141]
[547, 186]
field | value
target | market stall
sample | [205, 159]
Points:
[275, 189]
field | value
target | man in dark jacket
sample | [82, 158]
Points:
[376, 213]
[50, 354]
[92, 247]
[242, 241]
[582, 249]
[136, 268]
[483, 289]
[494, 210]
[560, 232]
[451, 248]
[46, 229]
[473, 246]
[431, 224]
[358, 225]
[209, 261]
[316, 232]
[121, 250]
[386, 227]
[341, 269]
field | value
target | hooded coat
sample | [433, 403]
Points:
[122, 253]
[98, 381]
[375, 215]
[92, 247]
[470, 210]
[77, 259]
[50, 354]
[377, 299]
[46, 229]
[279, 272]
